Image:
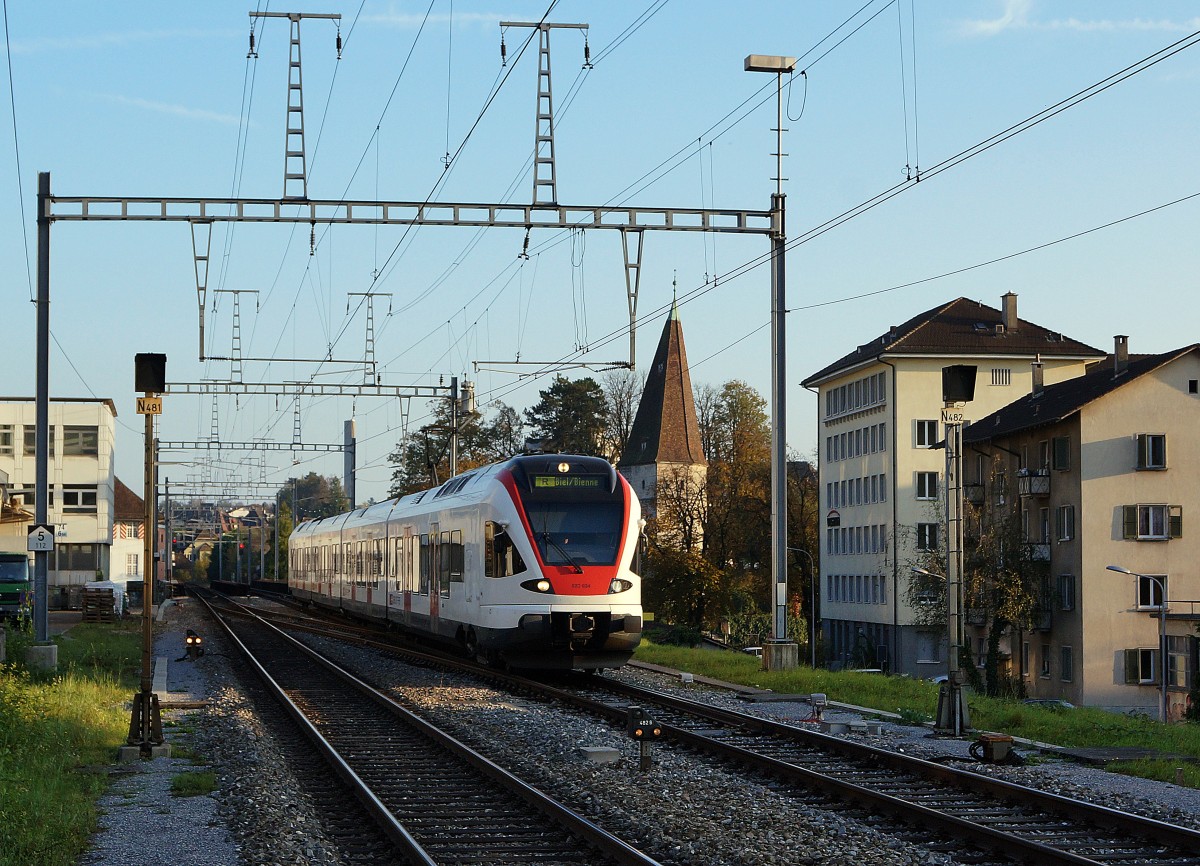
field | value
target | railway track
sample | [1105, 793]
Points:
[1022, 823]
[962, 808]
[437, 800]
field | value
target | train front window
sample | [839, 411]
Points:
[576, 533]
[500, 557]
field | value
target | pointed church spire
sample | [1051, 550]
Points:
[665, 429]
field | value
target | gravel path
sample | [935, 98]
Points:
[685, 811]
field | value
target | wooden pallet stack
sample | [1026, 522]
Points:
[97, 605]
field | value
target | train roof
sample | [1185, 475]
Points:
[463, 485]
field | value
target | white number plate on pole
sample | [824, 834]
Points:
[41, 538]
[952, 416]
[149, 405]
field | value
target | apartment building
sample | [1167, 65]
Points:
[882, 465]
[81, 483]
[1103, 470]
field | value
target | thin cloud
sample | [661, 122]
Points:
[1015, 16]
[109, 39]
[175, 110]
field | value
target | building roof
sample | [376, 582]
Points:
[107, 401]
[1061, 400]
[127, 505]
[665, 429]
[960, 327]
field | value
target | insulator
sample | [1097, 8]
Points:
[587, 55]
[503, 53]
[251, 53]
[312, 240]
[339, 44]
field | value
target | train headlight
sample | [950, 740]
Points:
[538, 585]
[619, 584]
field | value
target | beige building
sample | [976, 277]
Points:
[81, 483]
[1104, 470]
[882, 467]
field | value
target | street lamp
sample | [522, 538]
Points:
[774, 655]
[952, 713]
[1162, 633]
[812, 583]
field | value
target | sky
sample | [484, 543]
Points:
[1090, 216]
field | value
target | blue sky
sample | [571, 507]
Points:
[160, 100]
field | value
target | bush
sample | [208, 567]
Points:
[678, 635]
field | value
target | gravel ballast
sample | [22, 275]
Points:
[686, 810]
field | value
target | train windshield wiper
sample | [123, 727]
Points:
[550, 541]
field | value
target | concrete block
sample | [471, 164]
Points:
[42, 657]
[858, 728]
[874, 729]
[161, 751]
[600, 754]
[129, 754]
[834, 727]
[159, 676]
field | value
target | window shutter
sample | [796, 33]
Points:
[1062, 452]
[1129, 521]
[1132, 668]
[1143, 451]
[1175, 521]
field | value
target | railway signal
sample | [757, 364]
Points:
[644, 730]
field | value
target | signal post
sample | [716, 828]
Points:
[145, 723]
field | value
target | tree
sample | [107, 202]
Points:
[570, 416]
[422, 460]
[280, 533]
[1003, 586]
[683, 587]
[315, 496]
[622, 393]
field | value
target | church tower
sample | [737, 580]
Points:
[663, 460]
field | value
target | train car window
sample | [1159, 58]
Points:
[444, 564]
[397, 571]
[502, 559]
[426, 572]
[411, 564]
[456, 555]
[376, 561]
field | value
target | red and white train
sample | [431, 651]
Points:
[525, 562]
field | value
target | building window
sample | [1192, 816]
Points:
[1001, 376]
[31, 441]
[131, 564]
[1141, 666]
[926, 434]
[1151, 451]
[1061, 454]
[79, 499]
[1066, 591]
[1064, 522]
[1152, 522]
[76, 557]
[1044, 662]
[1025, 659]
[6, 440]
[1066, 660]
[1179, 672]
[1150, 591]
[927, 485]
[927, 536]
[80, 441]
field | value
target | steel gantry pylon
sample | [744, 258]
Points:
[545, 191]
[295, 174]
[235, 355]
[369, 373]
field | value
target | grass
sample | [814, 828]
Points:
[1186, 774]
[58, 733]
[195, 784]
[916, 700]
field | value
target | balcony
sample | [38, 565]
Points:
[1034, 482]
[973, 493]
[1040, 551]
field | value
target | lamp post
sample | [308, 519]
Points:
[812, 619]
[953, 716]
[780, 653]
[1162, 633]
